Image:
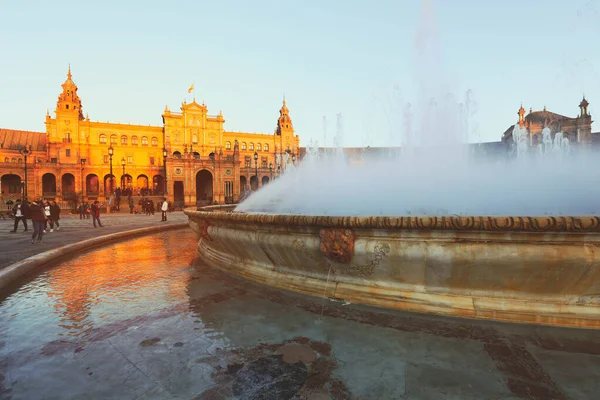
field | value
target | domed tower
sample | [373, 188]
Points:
[285, 130]
[69, 103]
[584, 123]
[68, 114]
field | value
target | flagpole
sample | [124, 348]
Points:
[194, 85]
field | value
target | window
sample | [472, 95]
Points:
[144, 141]
[113, 139]
[134, 141]
[53, 160]
[227, 145]
[124, 140]
[251, 146]
[14, 187]
[177, 154]
[248, 161]
[102, 139]
[67, 106]
[68, 152]
[105, 159]
[6, 159]
[20, 161]
[243, 146]
[258, 147]
[154, 141]
[151, 160]
[195, 138]
[14, 160]
[266, 147]
[129, 159]
[264, 162]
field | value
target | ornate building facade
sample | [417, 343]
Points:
[191, 156]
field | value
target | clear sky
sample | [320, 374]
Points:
[357, 58]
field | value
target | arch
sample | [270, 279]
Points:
[126, 181]
[204, 186]
[177, 154]
[243, 145]
[67, 184]
[211, 156]
[227, 145]
[154, 141]
[158, 183]
[142, 181]
[266, 147]
[92, 185]
[113, 139]
[196, 155]
[14, 160]
[253, 182]
[243, 184]
[134, 140]
[102, 139]
[251, 146]
[48, 184]
[123, 140]
[20, 161]
[6, 159]
[11, 184]
[258, 147]
[265, 180]
[107, 182]
[144, 141]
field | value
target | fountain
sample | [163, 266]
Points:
[428, 228]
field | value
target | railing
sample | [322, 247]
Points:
[67, 140]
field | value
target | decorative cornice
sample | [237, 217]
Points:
[575, 224]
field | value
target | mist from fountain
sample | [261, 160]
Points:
[435, 172]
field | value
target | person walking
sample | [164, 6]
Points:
[48, 217]
[55, 214]
[96, 213]
[164, 208]
[38, 217]
[19, 213]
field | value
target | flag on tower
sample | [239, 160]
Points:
[191, 88]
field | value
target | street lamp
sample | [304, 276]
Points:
[82, 160]
[25, 152]
[271, 171]
[123, 176]
[165, 165]
[293, 159]
[256, 165]
[111, 151]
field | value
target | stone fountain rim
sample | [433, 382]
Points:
[546, 223]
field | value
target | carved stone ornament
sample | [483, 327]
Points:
[203, 229]
[337, 244]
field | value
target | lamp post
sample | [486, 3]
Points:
[82, 161]
[293, 159]
[278, 171]
[256, 166]
[111, 151]
[25, 152]
[165, 165]
[123, 176]
[271, 171]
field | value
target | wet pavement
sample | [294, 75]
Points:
[143, 320]
[15, 246]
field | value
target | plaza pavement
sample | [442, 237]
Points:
[15, 246]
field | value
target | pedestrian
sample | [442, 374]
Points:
[96, 213]
[55, 214]
[38, 217]
[164, 208]
[48, 217]
[19, 213]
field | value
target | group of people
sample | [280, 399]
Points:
[44, 214]
[41, 213]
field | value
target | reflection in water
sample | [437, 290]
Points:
[126, 279]
[138, 320]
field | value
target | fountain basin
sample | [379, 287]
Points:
[541, 270]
